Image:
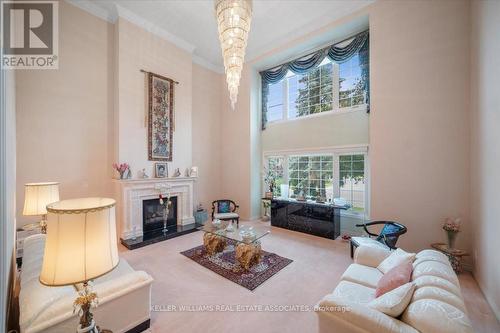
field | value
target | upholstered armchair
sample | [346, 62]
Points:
[387, 238]
[225, 210]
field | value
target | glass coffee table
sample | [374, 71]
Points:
[246, 239]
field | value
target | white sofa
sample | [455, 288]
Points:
[436, 306]
[124, 297]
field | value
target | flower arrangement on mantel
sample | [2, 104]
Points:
[452, 228]
[123, 169]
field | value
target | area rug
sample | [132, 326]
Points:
[226, 265]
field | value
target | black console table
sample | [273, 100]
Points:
[306, 216]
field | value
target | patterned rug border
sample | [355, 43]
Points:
[250, 285]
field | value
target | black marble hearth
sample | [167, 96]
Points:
[158, 236]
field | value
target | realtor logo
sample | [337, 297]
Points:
[30, 34]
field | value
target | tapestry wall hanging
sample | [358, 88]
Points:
[160, 117]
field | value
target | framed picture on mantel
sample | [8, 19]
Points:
[160, 117]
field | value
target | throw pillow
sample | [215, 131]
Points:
[394, 302]
[224, 207]
[394, 278]
[394, 259]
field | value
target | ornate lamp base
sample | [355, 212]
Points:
[85, 300]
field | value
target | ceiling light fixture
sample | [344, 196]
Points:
[233, 21]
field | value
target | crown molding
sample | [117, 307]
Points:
[95, 10]
[208, 65]
[154, 29]
[111, 16]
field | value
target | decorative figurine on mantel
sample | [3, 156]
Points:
[177, 172]
[193, 172]
[143, 174]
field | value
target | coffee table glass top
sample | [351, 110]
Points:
[243, 234]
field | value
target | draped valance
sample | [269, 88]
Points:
[358, 45]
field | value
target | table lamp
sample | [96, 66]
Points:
[80, 246]
[37, 196]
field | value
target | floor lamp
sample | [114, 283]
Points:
[80, 246]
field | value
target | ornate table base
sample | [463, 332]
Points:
[454, 255]
[248, 254]
[213, 243]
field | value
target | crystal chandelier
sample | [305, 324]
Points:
[233, 20]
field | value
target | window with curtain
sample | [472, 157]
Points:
[334, 79]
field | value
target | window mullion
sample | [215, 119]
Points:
[336, 175]
[285, 98]
[335, 86]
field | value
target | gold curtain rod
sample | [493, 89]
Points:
[143, 71]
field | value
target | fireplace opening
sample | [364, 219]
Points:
[152, 214]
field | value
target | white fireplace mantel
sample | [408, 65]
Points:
[130, 193]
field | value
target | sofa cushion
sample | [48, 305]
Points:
[364, 275]
[339, 313]
[370, 256]
[431, 316]
[396, 258]
[226, 216]
[440, 295]
[438, 282]
[432, 255]
[352, 292]
[435, 268]
[394, 278]
[394, 302]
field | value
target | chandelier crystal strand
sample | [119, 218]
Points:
[233, 19]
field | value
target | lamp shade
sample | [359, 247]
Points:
[38, 195]
[81, 241]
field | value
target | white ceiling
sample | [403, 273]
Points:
[191, 23]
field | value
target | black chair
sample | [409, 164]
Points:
[388, 236]
[225, 210]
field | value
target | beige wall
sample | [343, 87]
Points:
[73, 123]
[207, 134]
[139, 49]
[419, 124]
[64, 116]
[324, 130]
[485, 159]
[235, 146]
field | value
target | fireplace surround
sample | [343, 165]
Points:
[130, 195]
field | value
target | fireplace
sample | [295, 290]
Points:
[152, 215]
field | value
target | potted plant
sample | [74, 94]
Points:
[452, 228]
[270, 180]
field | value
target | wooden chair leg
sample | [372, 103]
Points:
[352, 249]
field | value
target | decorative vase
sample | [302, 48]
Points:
[452, 236]
[165, 219]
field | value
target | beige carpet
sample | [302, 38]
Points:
[317, 266]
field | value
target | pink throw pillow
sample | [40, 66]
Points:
[394, 278]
